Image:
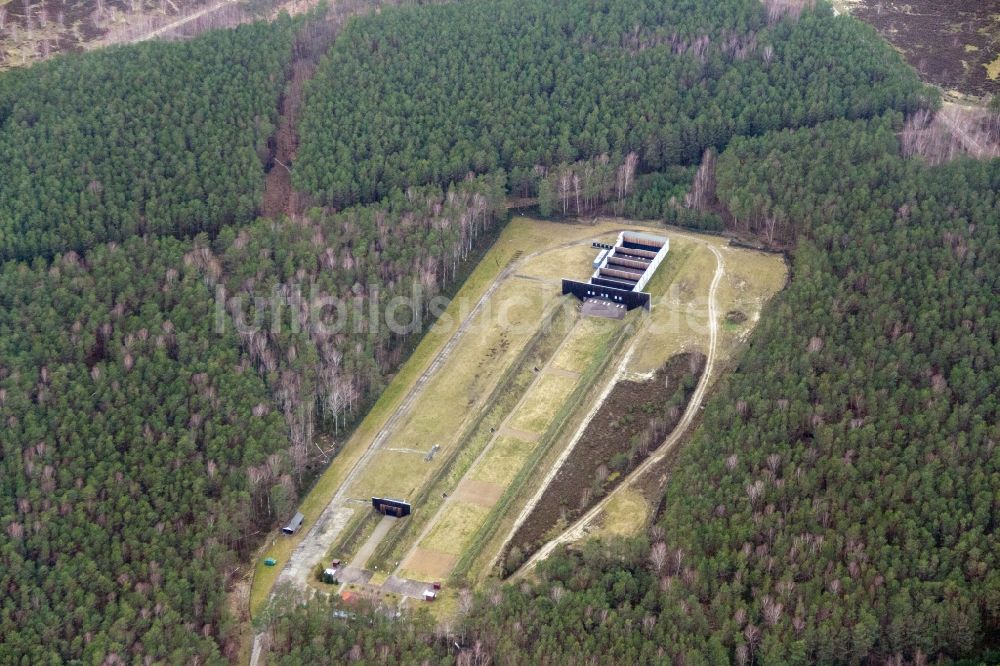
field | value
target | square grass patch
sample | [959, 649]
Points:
[503, 461]
[543, 402]
[751, 279]
[458, 522]
[679, 319]
[428, 565]
[680, 250]
[585, 343]
[625, 514]
[392, 474]
[573, 263]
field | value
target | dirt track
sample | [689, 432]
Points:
[578, 529]
[173, 25]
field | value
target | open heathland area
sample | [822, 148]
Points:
[954, 44]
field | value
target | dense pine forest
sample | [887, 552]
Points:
[424, 95]
[150, 139]
[155, 422]
[129, 427]
[161, 413]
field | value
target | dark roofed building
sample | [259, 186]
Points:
[294, 524]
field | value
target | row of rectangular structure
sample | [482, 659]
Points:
[623, 270]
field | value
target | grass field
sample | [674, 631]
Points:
[575, 263]
[507, 456]
[455, 393]
[455, 525]
[428, 564]
[502, 461]
[751, 280]
[449, 410]
[484, 493]
[391, 474]
[625, 515]
[542, 401]
[583, 343]
[479, 433]
[679, 318]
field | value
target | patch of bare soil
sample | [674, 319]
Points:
[950, 42]
[280, 197]
[431, 563]
[482, 493]
[735, 317]
[632, 421]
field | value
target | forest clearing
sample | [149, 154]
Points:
[504, 407]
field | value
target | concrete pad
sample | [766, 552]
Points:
[354, 576]
[312, 549]
[406, 587]
[366, 550]
[596, 307]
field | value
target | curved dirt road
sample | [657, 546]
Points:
[578, 529]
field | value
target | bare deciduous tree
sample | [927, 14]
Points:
[626, 176]
[565, 190]
[702, 193]
[954, 130]
[658, 556]
[777, 9]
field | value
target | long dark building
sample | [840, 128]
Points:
[391, 507]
